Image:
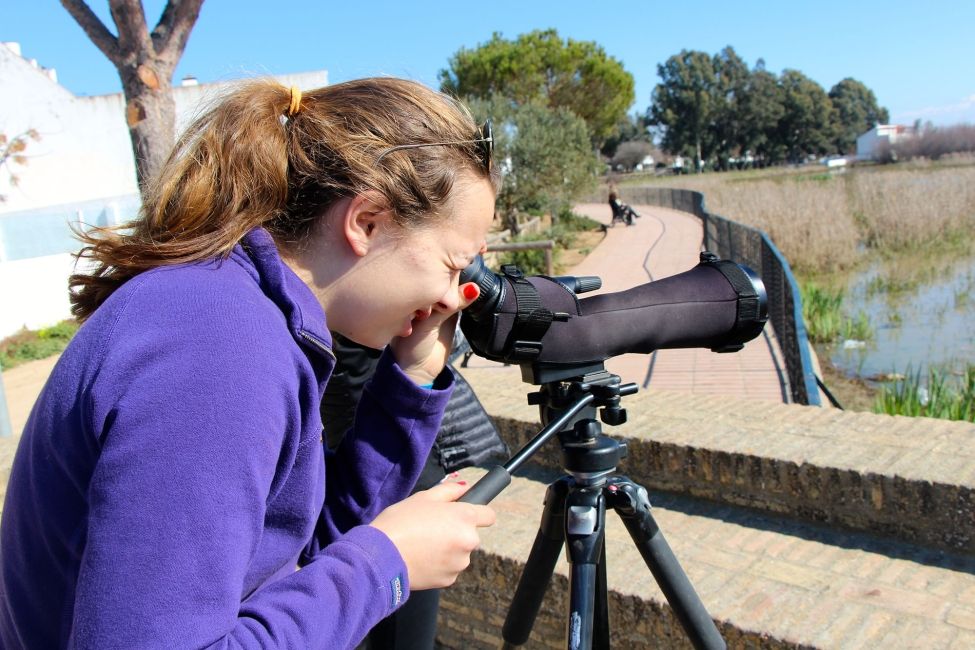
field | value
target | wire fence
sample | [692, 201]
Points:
[753, 248]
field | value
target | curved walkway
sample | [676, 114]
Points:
[662, 243]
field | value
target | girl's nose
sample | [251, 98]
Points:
[450, 300]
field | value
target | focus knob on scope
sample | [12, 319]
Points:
[582, 284]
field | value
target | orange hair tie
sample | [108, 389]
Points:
[295, 101]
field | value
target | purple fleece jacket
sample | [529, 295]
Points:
[171, 477]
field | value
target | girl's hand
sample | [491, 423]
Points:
[423, 354]
[434, 534]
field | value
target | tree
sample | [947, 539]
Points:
[760, 109]
[731, 83]
[631, 153]
[145, 62]
[684, 103]
[806, 126]
[12, 153]
[857, 111]
[545, 155]
[541, 68]
[632, 128]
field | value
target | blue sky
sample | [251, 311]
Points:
[918, 58]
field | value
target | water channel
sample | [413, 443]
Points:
[922, 315]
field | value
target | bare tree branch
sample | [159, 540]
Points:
[133, 35]
[173, 30]
[145, 65]
[103, 39]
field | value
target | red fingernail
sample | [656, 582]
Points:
[470, 291]
[461, 482]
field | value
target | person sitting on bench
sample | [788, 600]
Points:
[621, 211]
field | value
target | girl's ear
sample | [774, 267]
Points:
[364, 218]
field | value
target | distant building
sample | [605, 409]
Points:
[80, 171]
[880, 138]
[646, 163]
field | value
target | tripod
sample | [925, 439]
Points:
[574, 516]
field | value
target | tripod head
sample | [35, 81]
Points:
[568, 407]
[587, 455]
[557, 395]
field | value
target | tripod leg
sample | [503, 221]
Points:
[633, 506]
[600, 626]
[585, 520]
[538, 568]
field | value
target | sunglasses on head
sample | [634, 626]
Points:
[484, 142]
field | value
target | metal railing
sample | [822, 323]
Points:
[753, 248]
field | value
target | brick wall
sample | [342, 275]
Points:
[914, 509]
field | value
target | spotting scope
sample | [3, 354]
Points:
[540, 323]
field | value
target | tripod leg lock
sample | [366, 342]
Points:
[585, 523]
[629, 500]
[581, 520]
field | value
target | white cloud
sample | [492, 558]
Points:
[961, 111]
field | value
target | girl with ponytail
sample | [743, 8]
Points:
[170, 488]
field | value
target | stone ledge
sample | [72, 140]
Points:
[912, 479]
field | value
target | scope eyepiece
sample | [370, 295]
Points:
[491, 287]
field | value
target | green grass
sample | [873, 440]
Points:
[939, 397]
[576, 222]
[883, 284]
[858, 328]
[31, 345]
[822, 177]
[822, 310]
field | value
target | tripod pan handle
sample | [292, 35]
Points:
[490, 486]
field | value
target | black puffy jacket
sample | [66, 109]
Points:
[467, 435]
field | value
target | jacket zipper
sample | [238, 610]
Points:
[316, 343]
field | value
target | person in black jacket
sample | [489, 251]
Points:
[621, 211]
[467, 437]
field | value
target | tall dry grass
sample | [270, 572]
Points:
[914, 208]
[822, 222]
[809, 221]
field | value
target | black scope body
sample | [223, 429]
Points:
[717, 304]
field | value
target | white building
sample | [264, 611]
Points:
[880, 137]
[646, 163]
[80, 171]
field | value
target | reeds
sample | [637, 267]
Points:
[913, 209]
[939, 397]
[822, 311]
[810, 222]
[822, 222]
